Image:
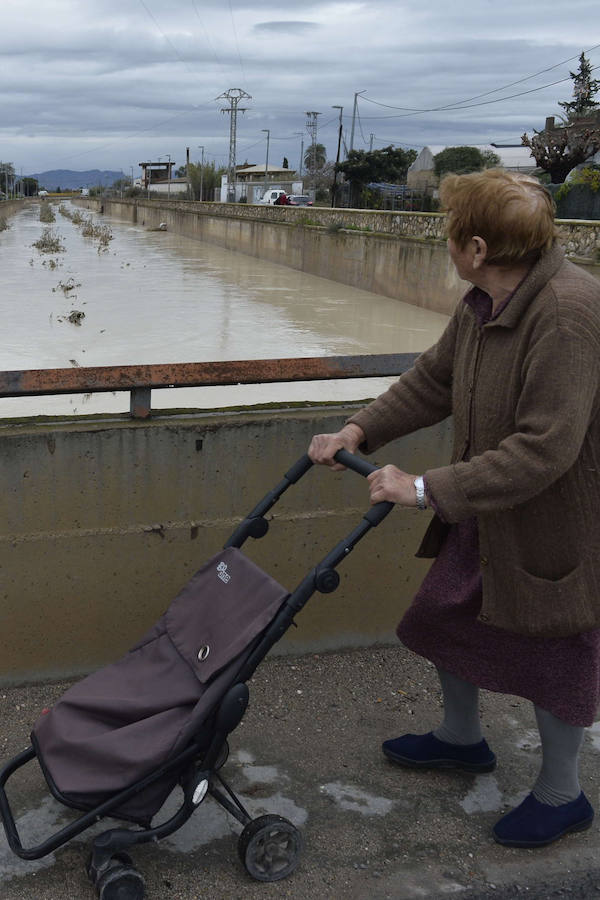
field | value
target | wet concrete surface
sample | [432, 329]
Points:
[309, 749]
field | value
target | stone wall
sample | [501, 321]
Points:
[581, 237]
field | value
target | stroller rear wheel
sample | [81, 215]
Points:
[121, 883]
[270, 848]
[119, 880]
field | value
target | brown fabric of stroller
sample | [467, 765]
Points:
[125, 720]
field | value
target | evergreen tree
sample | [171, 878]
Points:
[584, 89]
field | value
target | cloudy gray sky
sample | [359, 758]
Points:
[108, 83]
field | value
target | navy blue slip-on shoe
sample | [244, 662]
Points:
[536, 824]
[425, 751]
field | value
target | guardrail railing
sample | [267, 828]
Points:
[141, 380]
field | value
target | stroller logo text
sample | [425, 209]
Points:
[222, 572]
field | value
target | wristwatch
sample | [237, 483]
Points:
[420, 489]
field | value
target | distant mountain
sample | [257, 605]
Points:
[71, 181]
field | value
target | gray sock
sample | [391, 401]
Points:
[558, 781]
[461, 711]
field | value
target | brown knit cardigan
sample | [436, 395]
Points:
[524, 392]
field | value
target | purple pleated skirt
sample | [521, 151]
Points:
[561, 675]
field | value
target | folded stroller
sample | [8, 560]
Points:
[118, 742]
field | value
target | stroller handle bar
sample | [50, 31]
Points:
[256, 526]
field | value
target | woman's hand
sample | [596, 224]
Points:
[390, 483]
[323, 447]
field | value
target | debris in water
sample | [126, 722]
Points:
[74, 317]
[66, 286]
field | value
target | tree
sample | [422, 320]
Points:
[7, 177]
[29, 186]
[557, 150]
[315, 158]
[386, 165]
[461, 160]
[204, 179]
[285, 164]
[584, 89]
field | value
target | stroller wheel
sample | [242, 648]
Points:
[92, 873]
[121, 883]
[270, 848]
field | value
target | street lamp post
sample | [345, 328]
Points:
[337, 158]
[201, 147]
[267, 158]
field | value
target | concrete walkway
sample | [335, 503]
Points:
[308, 749]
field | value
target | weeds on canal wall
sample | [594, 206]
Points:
[46, 212]
[3, 224]
[49, 242]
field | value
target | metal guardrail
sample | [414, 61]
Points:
[141, 380]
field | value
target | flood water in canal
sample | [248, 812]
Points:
[157, 297]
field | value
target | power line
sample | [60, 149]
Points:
[495, 90]
[466, 104]
[237, 43]
[167, 39]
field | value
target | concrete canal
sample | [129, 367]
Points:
[154, 297]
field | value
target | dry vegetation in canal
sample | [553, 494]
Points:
[89, 228]
[49, 242]
[46, 212]
[3, 224]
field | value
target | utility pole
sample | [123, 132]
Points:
[187, 173]
[337, 158]
[311, 126]
[371, 143]
[356, 96]
[267, 159]
[300, 134]
[233, 95]
[201, 147]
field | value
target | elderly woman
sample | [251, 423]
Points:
[512, 600]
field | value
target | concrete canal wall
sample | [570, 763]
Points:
[105, 520]
[396, 254]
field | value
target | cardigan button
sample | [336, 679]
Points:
[484, 618]
[484, 560]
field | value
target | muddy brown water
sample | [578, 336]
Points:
[157, 297]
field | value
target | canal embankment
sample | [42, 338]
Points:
[396, 254]
[105, 520]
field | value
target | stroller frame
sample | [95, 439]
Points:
[269, 846]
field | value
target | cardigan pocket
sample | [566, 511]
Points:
[546, 607]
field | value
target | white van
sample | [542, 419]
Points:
[271, 196]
